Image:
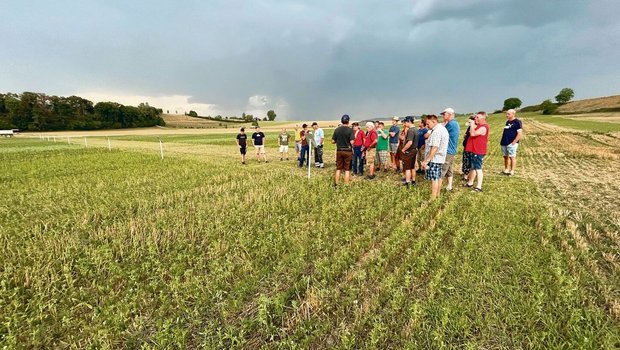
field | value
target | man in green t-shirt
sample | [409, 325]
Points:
[283, 143]
[383, 145]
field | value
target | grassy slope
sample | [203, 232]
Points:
[120, 249]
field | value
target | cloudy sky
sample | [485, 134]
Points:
[311, 59]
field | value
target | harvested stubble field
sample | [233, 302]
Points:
[120, 249]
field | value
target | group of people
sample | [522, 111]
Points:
[428, 148]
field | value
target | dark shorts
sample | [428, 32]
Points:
[408, 160]
[466, 162]
[243, 150]
[343, 160]
[433, 172]
[476, 161]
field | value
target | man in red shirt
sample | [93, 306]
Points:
[370, 144]
[477, 146]
[358, 162]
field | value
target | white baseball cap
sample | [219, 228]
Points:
[448, 110]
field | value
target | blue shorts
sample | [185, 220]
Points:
[510, 150]
[476, 161]
[433, 172]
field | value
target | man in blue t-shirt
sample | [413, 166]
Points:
[454, 130]
[511, 136]
[394, 131]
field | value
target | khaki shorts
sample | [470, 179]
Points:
[382, 158]
[260, 149]
[343, 160]
[370, 155]
[446, 168]
[283, 148]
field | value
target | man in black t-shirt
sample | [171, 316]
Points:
[258, 138]
[343, 137]
[513, 131]
[242, 143]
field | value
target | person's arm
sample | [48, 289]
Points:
[373, 143]
[406, 146]
[416, 139]
[473, 132]
[431, 154]
[519, 135]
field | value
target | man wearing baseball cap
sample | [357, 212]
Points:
[343, 137]
[453, 132]
[409, 150]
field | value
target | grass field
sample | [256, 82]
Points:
[119, 249]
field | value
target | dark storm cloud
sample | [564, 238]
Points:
[314, 59]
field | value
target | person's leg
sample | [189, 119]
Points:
[302, 155]
[337, 178]
[257, 153]
[264, 153]
[320, 153]
[354, 162]
[513, 164]
[470, 177]
[506, 165]
[479, 176]
[435, 188]
[347, 177]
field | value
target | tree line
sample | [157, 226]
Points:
[30, 111]
[547, 106]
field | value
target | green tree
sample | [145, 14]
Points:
[192, 114]
[548, 107]
[511, 103]
[565, 95]
[271, 115]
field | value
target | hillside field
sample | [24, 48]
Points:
[121, 249]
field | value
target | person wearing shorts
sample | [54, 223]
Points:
[382, 159]
[477, 145]
[369, 149]
[454, 130]
[343, 137]
[297, 140]
[513, 131]
[242, 142]
[409, 150]
[283, 139]
[394, 143]
[258, 138]
[435, 155]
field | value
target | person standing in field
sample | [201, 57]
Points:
[369, 148]
[466, 166]
[242, 143]
[511, 136]
[477, 145]
[408, 150]
[358, 162]
[319, 138]
[258, 139]
[283, 139]
[343, 137]
[297, 141]
[435, 154]
[394, 132]
[423, 134]
[383, 147]
[454, 130]
[304, 155]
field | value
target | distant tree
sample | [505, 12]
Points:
[167, 111]
[192, 114]
[565, 95]
[271, 115]
[548, 107]
[511, 103]
[248, 117]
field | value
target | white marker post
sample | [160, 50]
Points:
[309, 157]
[161, 149]
[54, 138]
[68, 140]
[85, 142]
[109, 146]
